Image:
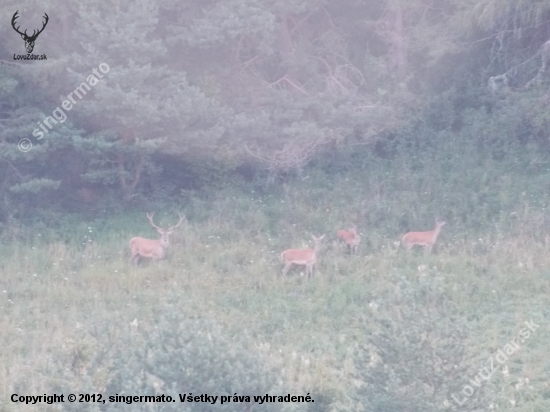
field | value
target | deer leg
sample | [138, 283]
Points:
[134, 259]
[309, 271]
[285, 269]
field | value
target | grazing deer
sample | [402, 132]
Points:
[302, 257]
[152, 248]
[425, 239]
[351, 238]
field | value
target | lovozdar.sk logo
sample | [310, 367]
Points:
[29, 39]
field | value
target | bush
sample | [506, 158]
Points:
[180, 354]
[415, 358]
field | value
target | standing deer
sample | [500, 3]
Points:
[425, 239]
[351, 238]
[152, 248]
[302, 257]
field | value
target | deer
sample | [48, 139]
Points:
[302, 257]
[351, 238]
[29, 40]
[425, 239]
[152, 248]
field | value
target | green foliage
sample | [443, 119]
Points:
[35, 186]
[373, 113]
[71, 298]
[415, 359]
[183, 354]
[267, 86]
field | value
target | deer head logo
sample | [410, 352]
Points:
[29, 40]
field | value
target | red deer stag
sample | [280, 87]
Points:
[152, 248]
[351, 238]
[302, 257]
[425, 239]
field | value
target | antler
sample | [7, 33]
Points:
[34, 33]
[43, 26]
[15, 16]
[182, 217]
[150, 217]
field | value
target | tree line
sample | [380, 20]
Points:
[205, 92]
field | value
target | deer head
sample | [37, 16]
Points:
[164, 233]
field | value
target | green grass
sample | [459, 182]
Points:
[67, 292]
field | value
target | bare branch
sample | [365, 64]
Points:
[290, 82]
[16, 171]
[182, 218]
[291, 157]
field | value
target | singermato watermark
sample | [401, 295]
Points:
[59, 115]
[501, 356]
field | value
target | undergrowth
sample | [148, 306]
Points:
[371, 332]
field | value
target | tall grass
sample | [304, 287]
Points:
[68, 293]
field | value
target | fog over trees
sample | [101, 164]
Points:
[203, 90]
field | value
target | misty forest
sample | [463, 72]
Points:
[342, 202]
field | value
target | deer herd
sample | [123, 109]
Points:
[155, 249]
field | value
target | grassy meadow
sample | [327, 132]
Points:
[384, 330]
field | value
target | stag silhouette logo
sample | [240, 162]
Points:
[29, 40]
